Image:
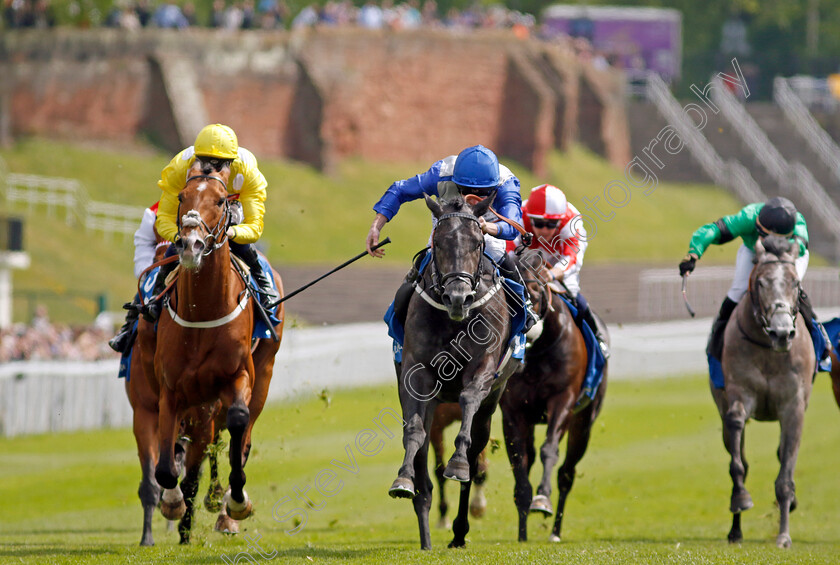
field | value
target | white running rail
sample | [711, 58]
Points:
[70, 195]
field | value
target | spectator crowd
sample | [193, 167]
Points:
[266, 14]
[41, 340]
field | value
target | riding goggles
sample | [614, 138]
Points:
[542, 223]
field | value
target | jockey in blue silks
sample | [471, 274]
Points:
[475, 170]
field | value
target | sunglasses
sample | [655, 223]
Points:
[541, 223]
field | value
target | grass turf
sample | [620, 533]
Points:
[653, 488]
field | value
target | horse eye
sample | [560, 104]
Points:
[220, 202]
[180, 197]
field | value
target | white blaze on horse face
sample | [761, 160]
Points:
[193, 246]
[201, 187]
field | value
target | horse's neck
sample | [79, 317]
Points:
[211, 289]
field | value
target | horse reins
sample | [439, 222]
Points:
[758, 312]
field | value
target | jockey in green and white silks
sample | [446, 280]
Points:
[778, 216]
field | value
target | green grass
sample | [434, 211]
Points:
[653, 488]
[313, 218]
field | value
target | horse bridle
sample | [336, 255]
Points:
[473, 279]
[212, 240]
[765, 317]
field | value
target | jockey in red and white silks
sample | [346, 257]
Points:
[558, 233]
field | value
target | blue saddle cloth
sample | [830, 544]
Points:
[260, 329]
[595, 357]
[516, 338]
[832, 327]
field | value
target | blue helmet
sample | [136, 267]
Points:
[476, 167]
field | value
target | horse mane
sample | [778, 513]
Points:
[777, 245]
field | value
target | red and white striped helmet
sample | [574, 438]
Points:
[546, 201]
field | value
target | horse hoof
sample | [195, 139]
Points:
[239, 513]
[457, 470]
[542, 505]
[213, 499]
[553, 538]
[454, 544]
[402, 488]
[226, 525]
[172, 504]
[740, 502]
[783, 541]
[735, 537]
[174, 510]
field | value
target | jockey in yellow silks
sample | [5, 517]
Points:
[216, 146]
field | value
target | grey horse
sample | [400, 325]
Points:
[768, 364]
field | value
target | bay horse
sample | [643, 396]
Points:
[445, 415]
[202, 371]
[768, 364]
[456, 332]
[545, 392]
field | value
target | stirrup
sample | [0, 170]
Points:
[602, 345]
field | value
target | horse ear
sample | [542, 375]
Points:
[759, 248]
[433, 206]
[481, 207]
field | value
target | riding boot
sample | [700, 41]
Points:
[151, 311]
[125, 336]
[509, 271]
[810, 316]
[268, 296]
[715, 346]
[585, 314]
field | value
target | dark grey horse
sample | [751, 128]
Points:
[768, 363]
[456, 332]
[544, 392]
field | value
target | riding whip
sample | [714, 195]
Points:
[386, 241]
[685, 297]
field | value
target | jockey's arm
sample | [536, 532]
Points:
[508, 203]
[252, 196]
[800, 233]
[145, 243]
[171, 183]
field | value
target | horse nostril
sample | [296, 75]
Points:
[198, 246]
[447, 301]
[468, 300]
[792, 334]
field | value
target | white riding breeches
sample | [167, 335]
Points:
[744, 266]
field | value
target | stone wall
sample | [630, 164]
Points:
[317, 96]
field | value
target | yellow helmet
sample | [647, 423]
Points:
[216, 141]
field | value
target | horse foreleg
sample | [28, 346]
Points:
[146, 435]
[238, 421]
[519, 441]
[734, 423]
[790, 422]
[480, 435]
[558, 409]
[166, 472]
[416, 414]
[458, 468]
[423, 498]
[580, 430]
